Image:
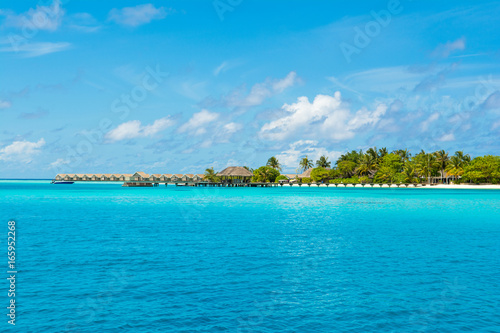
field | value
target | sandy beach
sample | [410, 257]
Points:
[439, 186]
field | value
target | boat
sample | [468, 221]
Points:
[60, 182]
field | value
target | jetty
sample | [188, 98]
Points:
[229, 177]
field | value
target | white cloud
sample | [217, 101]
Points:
[134, 129]
[261, 91]
[59, 163]
[138, 15]
[83, 22]
[232, 127]
[30, 50]
[21, 151]
[290, 158]
[5, 104]
[196, 125]
[326, 116]
[444, 50]
[426, 123]
[447, 137]
[221, 68]
[41, 18]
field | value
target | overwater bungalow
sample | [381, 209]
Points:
[235, 175]
[140, 176]
[96, 177]
[156, 177]
[166, 177]
[187, 177]
[198, 177]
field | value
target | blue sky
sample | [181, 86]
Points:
[179, 86]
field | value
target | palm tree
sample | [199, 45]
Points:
[305, 164]
[366, 164]
[323, 162]
[404, 154]
[425, 164]
[274, 163]
[382, 152]
[211, 176]
[456, 165]
[409, 172]
[263, 175]
[442, 160]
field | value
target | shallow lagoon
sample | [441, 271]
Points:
[95, 257]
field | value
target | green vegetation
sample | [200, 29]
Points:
[265, 174]
[273, 163]
[305, 163]
[280, 177]
[381, 166]
[210, 175]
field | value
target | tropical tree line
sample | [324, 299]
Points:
[381, 166]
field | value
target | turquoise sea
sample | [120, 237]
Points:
[102, 258]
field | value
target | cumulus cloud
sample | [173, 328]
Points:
[261, 91]
[196, 125]
[444, 50]
[327, 116]
[290, 158]
[134, 129]
[30, 50]
[21, 151]
[138, 15]
[41, 18]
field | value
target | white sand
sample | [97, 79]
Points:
[440, 186]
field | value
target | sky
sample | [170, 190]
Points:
[180, 86]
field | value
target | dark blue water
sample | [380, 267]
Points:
[102, 258]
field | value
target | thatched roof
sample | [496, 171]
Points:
[142, 174]
[235, 172]
[306, 174]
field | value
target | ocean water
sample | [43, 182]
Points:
[102, 258]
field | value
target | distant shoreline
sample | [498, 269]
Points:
[313, 185]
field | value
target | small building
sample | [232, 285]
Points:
[106, 177]
[156, 177]
[114, 177]
[166, 177]
[140, 176]
[442, 178]
[198, 178]
[60, 176]
[187, 177]
[305, 174]
[235, 175]
[96, 177]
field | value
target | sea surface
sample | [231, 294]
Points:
[102, 258]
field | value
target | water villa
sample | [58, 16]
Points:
[235, 175]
